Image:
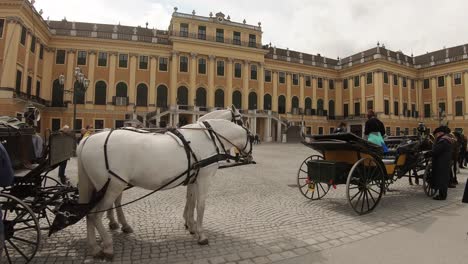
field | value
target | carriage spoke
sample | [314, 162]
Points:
[24, 228]
[302, 186]
[354, 196]
[24, 240]
[362, 205]
[367, 200]
[7, 254]
[17, 249]
[372, 197]
[359, 198]
[323, 189]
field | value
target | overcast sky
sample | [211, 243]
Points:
[329, 27]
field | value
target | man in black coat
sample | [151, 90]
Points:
[441, 159]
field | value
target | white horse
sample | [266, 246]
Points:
[231, 114]
[134, 156]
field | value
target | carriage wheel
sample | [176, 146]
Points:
[427, 177]
[21, 229]
[365, 185]
[310, 189]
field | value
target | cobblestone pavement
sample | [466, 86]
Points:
[254, 214]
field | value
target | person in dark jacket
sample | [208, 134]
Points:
[6, 179]
[441, 159]
[373, 124]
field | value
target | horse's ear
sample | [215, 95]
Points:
[233, 108]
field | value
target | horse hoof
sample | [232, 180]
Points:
[186, 226]
[113, 226]
[203, 242]
[192, 232]
[127, 229]
[104, 256]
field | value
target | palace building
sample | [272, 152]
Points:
[201, 63]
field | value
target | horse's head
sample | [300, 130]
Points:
[233, 135]
[231, 114]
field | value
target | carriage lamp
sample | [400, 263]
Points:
[62, 79]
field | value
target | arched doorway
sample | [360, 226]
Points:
[219, 98]
[252, 101]
[142, 95]
[182, 96]
[294, 104]
[57, 94]
[267, 102]
[320, 107]
[161, 96]
[281, 104]
[201, 97]
[100, 93]
[237, 99]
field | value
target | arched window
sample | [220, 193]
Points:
[320, 107]
[219, 98]
[294, 102]
[57, 94]
[79, 93]
[121, 90]
[182, 95]
[201, 97]
[161, 96]
[237, 99]
[281, 104]
[100, 91]
[252, 101]
[267, 102]
[142, 95]
[308, 106]
[331, 108]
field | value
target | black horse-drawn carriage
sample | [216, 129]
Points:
[29, 205]
[362, 166]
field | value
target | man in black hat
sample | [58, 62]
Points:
[441, 158]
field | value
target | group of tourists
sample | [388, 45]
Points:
[443, 152]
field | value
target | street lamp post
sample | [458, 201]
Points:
[83, 84]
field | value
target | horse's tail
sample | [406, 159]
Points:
[85, 186]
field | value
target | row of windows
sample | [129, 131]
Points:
[23, 40]
[19, 81]
[457, 80]
[236, 36]
[441, 109]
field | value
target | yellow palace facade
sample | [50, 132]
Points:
[201, 63]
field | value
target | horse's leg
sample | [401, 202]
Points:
[113, 225]
[189, 208]
[201, 192]
[126, 228]
[86, 188]
[113, 191]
